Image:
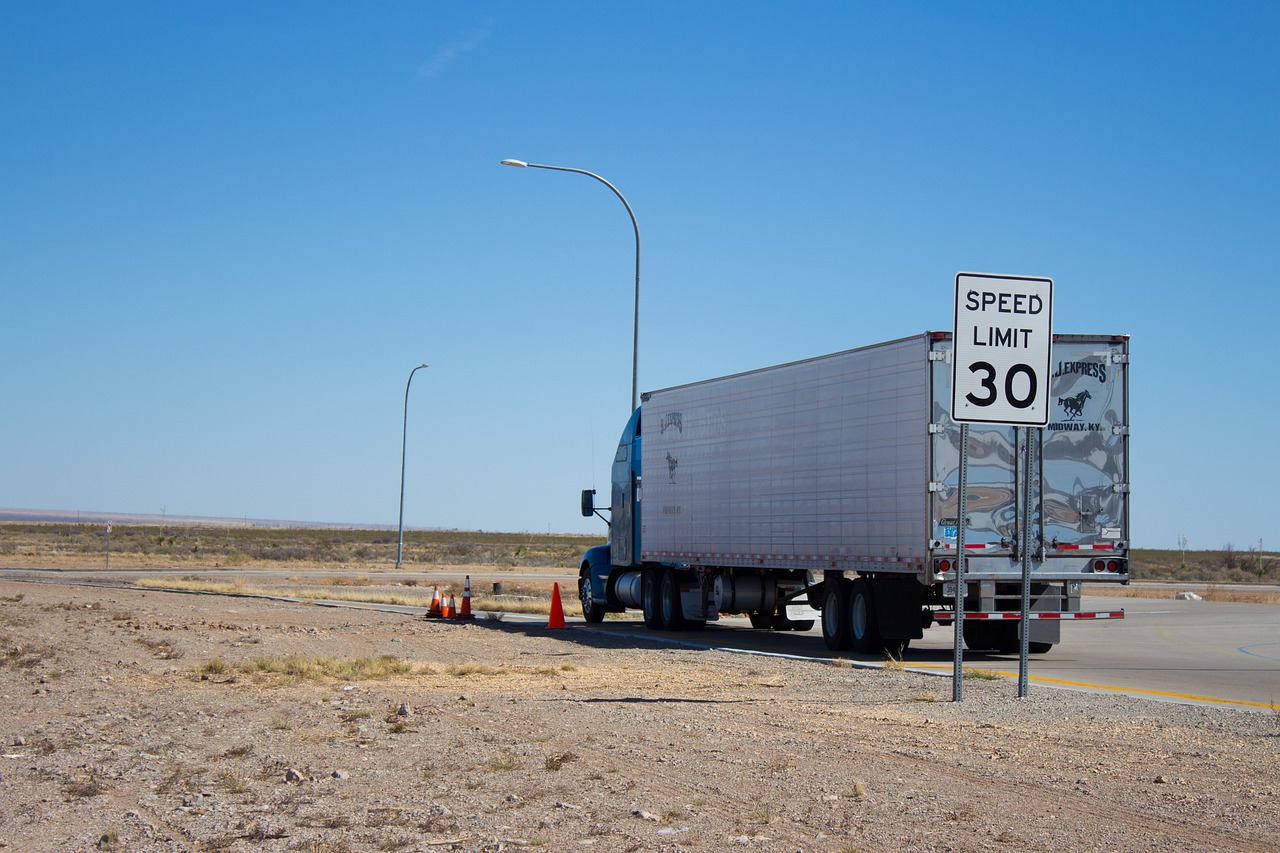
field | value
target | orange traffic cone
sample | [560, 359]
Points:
[433, 612]
[451, 609]
[466, 599]
[557, 609]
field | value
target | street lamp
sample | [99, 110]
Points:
[635, 334]
[404, 435]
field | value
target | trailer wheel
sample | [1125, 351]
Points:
[650, 598]
[978, 636]
[863, 630]
[1007, 641]
[591, 611]
[835, 615]
[672, 613]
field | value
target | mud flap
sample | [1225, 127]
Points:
[1045, 600]
[1045, 631]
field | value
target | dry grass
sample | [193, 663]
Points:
[501, 762]
[538, 603]
[239, 546]
[21, 656]
[981, 674]
[162, 649]
[87, 786]
[1239, 595]
[219, 547]
[1228, 565]
[462, 670]
[239, 587]
[299, 668]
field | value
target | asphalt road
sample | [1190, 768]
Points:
[1198, 652]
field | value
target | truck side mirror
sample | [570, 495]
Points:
[588, 503]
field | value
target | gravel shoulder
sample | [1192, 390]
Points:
[154, 721]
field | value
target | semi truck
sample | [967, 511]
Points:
[832, 485]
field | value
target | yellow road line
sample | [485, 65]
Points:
[1044, 680]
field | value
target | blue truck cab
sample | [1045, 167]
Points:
[600, 564]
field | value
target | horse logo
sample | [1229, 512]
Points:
[1074, 406]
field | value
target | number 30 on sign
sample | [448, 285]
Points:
[1003, 334]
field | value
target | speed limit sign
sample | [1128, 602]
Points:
[1003, 334]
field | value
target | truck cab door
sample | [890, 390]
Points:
[624, 501]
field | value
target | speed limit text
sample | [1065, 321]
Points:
[1003, 335]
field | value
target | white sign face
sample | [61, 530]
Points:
[1003, 334]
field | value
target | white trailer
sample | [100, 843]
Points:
[834, 482]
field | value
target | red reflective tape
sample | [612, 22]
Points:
[942, 616]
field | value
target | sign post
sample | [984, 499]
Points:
[957, 662]
[1024, 552]
[1000, 365]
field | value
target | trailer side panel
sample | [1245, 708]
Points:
[822, 463]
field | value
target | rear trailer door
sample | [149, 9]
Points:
[1076, 471]
[991, 504]
[1085, 457]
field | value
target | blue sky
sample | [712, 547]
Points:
[228, 231]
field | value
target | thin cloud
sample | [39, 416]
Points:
[451, 52]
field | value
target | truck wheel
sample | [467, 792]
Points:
[863, 630]
[591, 611]
[649, 598]
[835, 616]
[669, 602]
[978, 636]
[1007, 641]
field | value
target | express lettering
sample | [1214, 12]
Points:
[1093, 369]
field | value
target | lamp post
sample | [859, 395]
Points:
[404, 435]
[635, 333]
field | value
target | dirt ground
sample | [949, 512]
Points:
[151, 721]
